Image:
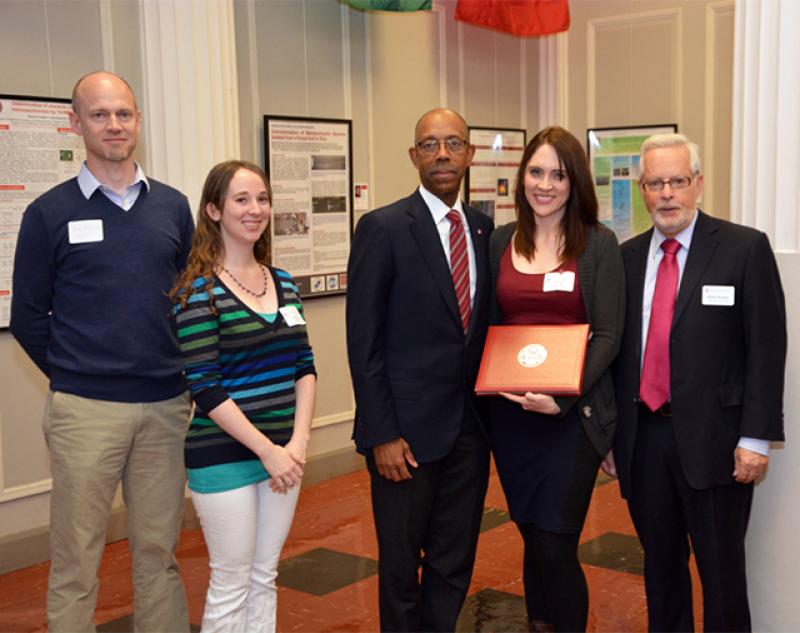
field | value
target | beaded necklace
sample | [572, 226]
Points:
[257, 295]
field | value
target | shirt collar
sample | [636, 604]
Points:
[684, 237]
[89, 184]
[438, 208]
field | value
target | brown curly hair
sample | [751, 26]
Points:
[207, 247]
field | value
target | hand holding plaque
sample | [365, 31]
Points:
[537, 358]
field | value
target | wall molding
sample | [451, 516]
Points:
[255, 93]
[370, 109]
[333, 418]
[462, 92]
[562, 78]
[669, 16]
[26, 490]
[441, 24]
[107, 35]
[46, 485]
[523, 83]
[347, 79]
[713, 11]
[553, 81]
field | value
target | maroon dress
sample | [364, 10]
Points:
[546, 463]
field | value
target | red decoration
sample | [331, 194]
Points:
[518, 17]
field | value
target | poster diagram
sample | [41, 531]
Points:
[491, 178]
[309, 163]
[38, 150]
[614, 160]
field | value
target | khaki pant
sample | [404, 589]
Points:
[94, 445]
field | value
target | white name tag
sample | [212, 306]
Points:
[719, 295]
[84, 231]
[291, 315]
[559, 282]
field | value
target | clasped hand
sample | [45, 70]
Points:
[284, 465]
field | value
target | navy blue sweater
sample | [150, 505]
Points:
[94, 316]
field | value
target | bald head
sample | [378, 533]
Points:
[95, 79]
[440, 113]
[441, 153]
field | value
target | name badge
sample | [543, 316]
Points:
[291, 315]
[85, 231]
[719, 295]
[559, 282]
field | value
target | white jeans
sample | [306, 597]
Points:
[244, 530]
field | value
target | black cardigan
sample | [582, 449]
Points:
[602, 282]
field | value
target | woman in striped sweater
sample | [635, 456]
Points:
[251, 373]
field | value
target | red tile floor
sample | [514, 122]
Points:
[335, 515]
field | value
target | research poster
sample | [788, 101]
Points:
[38, 150]
[614, 159]
[491, 178]
[309, 164]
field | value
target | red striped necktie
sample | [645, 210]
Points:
[459, 266]
[654, 386]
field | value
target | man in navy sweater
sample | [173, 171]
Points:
[95, 258]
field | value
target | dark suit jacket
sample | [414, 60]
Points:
[412, 366]
[726, 363]
[602, 284]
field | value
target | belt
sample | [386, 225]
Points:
[665, 410]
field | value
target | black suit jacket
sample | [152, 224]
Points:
[726, 363]
[412, 365]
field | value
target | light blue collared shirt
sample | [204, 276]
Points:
[654, 257]
[89, 184]
[439, 210]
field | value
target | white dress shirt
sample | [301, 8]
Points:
[439, 212]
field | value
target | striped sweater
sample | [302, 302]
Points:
[237, 354]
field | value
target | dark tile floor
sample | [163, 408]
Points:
[328, 570]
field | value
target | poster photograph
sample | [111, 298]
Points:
[38, 150]
[491, 177]
[309, 164]
[614, 159]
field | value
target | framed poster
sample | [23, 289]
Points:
[491, 178]
[38, 150]
[310, 167]
[614, 159]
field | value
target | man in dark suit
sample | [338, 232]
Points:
[699, 386]
[417, 306]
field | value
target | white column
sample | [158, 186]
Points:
[553, 68]
[765, 194]
[190, 105]
[766, 120]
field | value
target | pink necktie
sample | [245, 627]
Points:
[654, 386]
[459, 266]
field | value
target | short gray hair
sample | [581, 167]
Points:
[671, 140]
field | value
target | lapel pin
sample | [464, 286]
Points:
[480, 231]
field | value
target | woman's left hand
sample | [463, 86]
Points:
[536, 402]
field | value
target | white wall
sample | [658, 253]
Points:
[773, 549]
[315, 58]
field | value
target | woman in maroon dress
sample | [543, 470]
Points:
[556, 264]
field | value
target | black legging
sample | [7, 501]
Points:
[555, 587]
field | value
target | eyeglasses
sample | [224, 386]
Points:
[452, 144]
[657, 184]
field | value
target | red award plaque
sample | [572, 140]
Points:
[538, 358]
